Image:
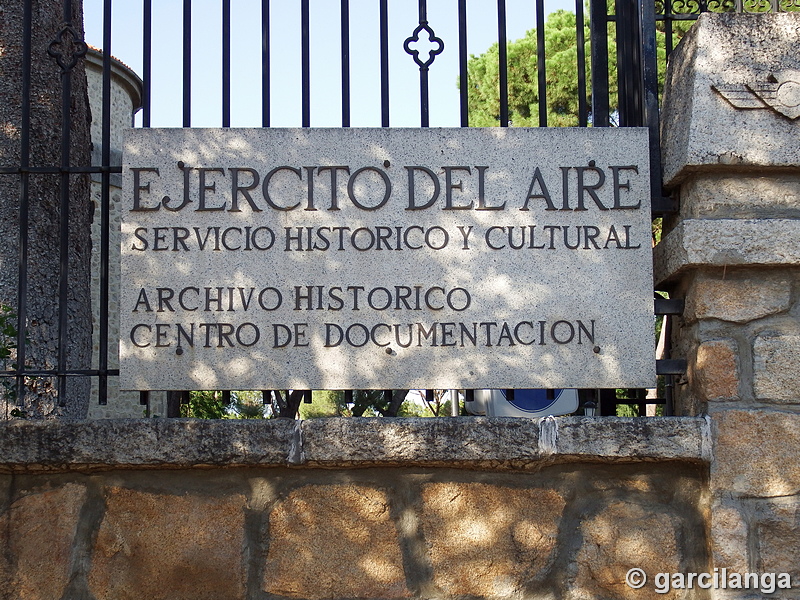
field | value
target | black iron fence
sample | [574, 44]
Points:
[619, 53]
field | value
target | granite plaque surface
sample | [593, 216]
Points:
[386, 258]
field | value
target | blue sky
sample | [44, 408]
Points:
[285, 48]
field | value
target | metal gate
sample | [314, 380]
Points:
[45, 362]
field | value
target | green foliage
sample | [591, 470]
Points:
[366, 403]
[8, 332]
[438, 406]
[627, 410]
[324, 403]
[204, 405]
[763, 6]
[8, 355]
[212, 405]
[414, 409]
[632, 410]
[247, 405]
[523, 96]
[561, 56]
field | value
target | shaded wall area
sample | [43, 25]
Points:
[473, 513]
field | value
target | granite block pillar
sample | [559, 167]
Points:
[731, 146]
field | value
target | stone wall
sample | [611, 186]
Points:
[356, 508]
[732, 153]
[45, 205]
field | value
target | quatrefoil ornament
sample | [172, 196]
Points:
[67, 48]
[432, 40]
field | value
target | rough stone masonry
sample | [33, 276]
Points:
[730, 134]
[349, 508]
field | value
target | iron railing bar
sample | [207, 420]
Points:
[669, 382]
[641, 404]
[661, 201]
[174, 400]
[187, 63]
[147, 41]
[607, 402]
[105, 207]
[671, 366]
[540, 63]
[633, 115]
[637, 68]
[668, 306]
[462, 62]
[680, 17]
[22, 270]
[598, 20]
[57, 170]
[384, 43]
[64, 212]
[66, 170]
[56, 372]
[345, 47]
[667, 18]
[646, 401]
[424, 108]
[265, 64]
[503, 61]
[583, 108]
[305, 43]
[226, 63]
[424, 99]
[621, 34]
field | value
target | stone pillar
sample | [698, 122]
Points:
[731, 146]
[48, 32]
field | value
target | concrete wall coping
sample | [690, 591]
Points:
[467, 442]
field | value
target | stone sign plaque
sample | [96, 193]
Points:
[386, 258]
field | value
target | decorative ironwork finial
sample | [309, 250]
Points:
[67, 48]
[432, 40]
